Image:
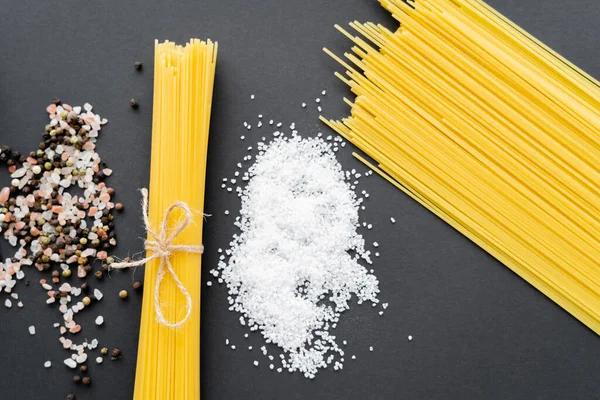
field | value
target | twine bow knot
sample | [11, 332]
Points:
[162, 248]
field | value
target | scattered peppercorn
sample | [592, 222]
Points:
[98, 274]
[77, 379]
[66, 273]
[134, 104]
[116, 353]
[83, 368]
[123, 294]
[104, 351]
[118, 206]
[138, 65]
[86, 301]
[71, 397]
[86, 380]
[137, 285]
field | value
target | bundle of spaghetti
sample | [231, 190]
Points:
[168, 364]
[492, 131]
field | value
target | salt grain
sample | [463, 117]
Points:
[47, 364]
[99, 320]
[32, 330]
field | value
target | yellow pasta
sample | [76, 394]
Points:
[168, 365]
[492, 131]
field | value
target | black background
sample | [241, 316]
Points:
[479, 330]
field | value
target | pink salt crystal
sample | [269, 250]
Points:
[42, 281]
[75, 329]
[56, 209]
[81, 272]
[107, 171]
[7, 217]
[48, 252]
[95, 168]
[31, 160]
[34, 231]
[12, 168]
[51, 293]
[101, 233]
[101, 255]
[10, 271]
[71, 260]
[105, 197]
[20, 304]
[62, 330]
[30, 200]
[67, 343]
[51, 109]
[62, 308]
[65, 287]
[101, 185]
[4, 193]
[19, 225]
[88, 146]
[85, 205]
[50, 300]
[64, 156]
[67, 107]
[61, 339]
[110, 205]
[93, 211]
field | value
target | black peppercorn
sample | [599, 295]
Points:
[77, 379]
[71, 397]
[138, 65]
[83, 368]
[134, 104]
[86, 380]
[116, 353]
[98, 274]
[137, 285]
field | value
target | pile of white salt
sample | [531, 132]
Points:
[294, 267]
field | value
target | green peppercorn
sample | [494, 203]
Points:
[74, 139]
[45, 259]
[104, 351]
[53, 132]
[66, 273]
[69, 163]
[83, 241]
[110, 260]
[82, 260]
[98, 274]
[39, 153]
[49, 128]
[48, 166]
[41, 221]
[86, 301]
[123, 294]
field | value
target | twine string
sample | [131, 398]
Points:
[162, 248]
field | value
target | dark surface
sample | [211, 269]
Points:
[479, 330]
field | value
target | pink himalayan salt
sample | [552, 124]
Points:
[4, 193]
[102, 255]
[88, 146]
[75, 329]
[19, 225]
[56, 209]
[93, 211]
[51, 109]
[31, 160]
[12, 168]
[81, 272]
[104, 197]
[62, 330]
[34, 231]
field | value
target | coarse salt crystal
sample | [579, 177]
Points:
[32, 330]
[47, 364]
[69, 362]
[7, 303]
[99, 320]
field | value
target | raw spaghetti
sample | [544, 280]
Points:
[491, 130]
